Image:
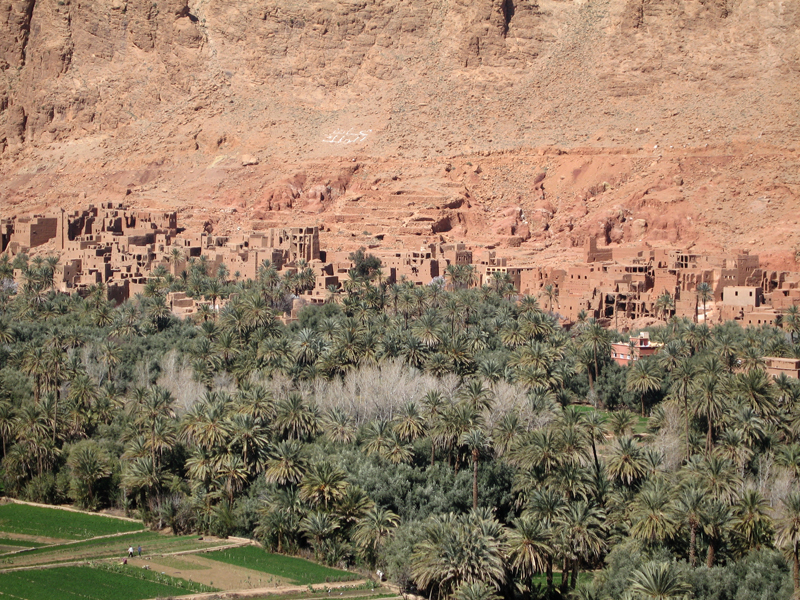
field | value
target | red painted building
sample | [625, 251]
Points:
[639, 346]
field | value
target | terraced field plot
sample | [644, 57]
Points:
[114, 547]
[80, 557]
[199, 568]
[8, 544]
[294, 570]
[53, 523]
[84, 583]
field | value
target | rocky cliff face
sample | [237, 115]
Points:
[165, 101]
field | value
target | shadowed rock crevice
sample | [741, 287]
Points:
[508, 14]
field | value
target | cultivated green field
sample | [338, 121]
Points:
[151, 542]
[61, 524]
[296, 570]
[86, 583]
[8, 545]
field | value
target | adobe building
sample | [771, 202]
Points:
[624, 284]
[638, 347]
[23, 233]
[121, 247]
[777, 366]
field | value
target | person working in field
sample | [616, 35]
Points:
[130, 552]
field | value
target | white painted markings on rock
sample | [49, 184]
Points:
[340, 136]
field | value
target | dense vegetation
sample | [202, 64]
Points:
[455, 437]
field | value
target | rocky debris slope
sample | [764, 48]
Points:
[514, 123]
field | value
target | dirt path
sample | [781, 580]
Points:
[24, 537]
[270, 591]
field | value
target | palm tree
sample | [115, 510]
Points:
[718, 476]
[156, 407]
[751, 524]
[318, 526]
[550, 292]
[376, 437]
[716, 521]
[643, 377]
[710, 403]
[6, 423]
[373, 529]
[658, 581]
[295, 418]
[88, 463]
[652, 519]
[791, 321]
[788, 535]
[622, 422]
[664, 305]
[323, 484]
[6, 332]
[396, 450]
[726, 346]
[175, 259]
[785, 456]
[539, 450]
[475, 591]
[597, 341]
[200, 467]
[455, 550]
[206, 423]
[581, 528]
[689, 507]
[33, 364]
[410, 424]
[704, 294]
[506, 431]
[353, 505]
[595, 427]
[476, 396]
[427, 329]
[755, 388]
[338, 426]
[530, 548]
[477, 442]
[682, 377]
[286, 463]
[698, 337]
[626, 464]
[434, 406]
[142, 475]
[232, 471]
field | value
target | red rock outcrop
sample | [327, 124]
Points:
[674, 121]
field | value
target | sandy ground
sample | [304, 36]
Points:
[209, 572]
[257, 592]
[33, 538]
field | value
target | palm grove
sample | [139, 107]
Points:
[454, 436]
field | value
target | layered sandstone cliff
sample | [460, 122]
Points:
[522, 123]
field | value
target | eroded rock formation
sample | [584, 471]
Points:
[525, 124]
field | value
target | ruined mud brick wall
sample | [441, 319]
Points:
[30, 232]
[6, 231]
